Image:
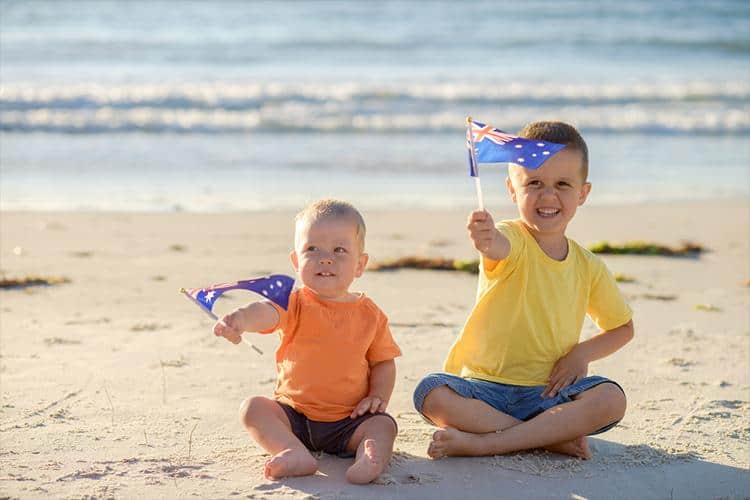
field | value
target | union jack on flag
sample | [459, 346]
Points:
[495, 146]
[275, 288]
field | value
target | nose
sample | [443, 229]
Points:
[326, 260]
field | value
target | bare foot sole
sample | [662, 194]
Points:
[452, 442]
[368, 466]
[290, 463]
[578, 447]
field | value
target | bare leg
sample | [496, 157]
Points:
[591, 410]
[267, 423]
[373, 441]
[446, 408]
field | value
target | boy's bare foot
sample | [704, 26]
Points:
[290, 463]
[368, 466]
[578, 447]
[452, 442]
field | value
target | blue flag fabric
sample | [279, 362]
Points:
[495, 146]
[275, 288]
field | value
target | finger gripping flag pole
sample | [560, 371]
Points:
[216, 318]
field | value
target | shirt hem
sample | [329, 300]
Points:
[500, 380]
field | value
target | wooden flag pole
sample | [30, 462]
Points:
[477, 182]
[216, 318]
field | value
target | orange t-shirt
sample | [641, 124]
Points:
[326, 351]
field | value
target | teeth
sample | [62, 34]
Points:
[548, 211]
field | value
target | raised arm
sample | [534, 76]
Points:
[254, 317]
[485, 236]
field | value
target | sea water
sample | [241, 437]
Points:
[219, 106]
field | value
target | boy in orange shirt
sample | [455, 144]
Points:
[335, 363]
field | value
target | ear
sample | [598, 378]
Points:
[295, 260]
[511, 191]
[361, 264]
[585, 190]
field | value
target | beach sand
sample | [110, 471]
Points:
[113, 385]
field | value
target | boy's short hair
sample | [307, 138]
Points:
[321, 209]
[561, 133]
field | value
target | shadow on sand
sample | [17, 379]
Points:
[616, 471]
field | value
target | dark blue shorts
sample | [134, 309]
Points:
[329, 437]
[518, 401]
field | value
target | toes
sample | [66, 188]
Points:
[434, 452]
[370, 449]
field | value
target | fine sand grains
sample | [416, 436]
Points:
[112, 385]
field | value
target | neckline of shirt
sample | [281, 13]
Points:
[332, 303]
[539, 249]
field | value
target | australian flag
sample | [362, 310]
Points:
[275, 288]
[495, 146]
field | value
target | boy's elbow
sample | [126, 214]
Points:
[629, 331]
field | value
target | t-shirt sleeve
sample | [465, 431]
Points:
[607, 307]
[383, 347]
[284, 314]
[499, 269]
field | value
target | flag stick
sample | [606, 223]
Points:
[478, 185]
[477, 182]
[216, 318]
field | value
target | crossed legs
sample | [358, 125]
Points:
[470, 426]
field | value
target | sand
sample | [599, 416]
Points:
[112, 384]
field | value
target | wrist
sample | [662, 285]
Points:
[242, 318]
[491, 255]
[582, 354]
[377, 395]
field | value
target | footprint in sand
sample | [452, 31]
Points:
[92, 321]
[50, 341]
[149, 327]
[681, 362]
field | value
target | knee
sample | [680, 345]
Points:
[251, 409]
[384, 424]
[436, 402]
[610, 403]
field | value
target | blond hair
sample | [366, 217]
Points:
[325, 208]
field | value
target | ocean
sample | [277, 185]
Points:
[233, 106]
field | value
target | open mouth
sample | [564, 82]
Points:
[326, 274]
[547, 212]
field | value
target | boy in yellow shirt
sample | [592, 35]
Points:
[517, 374]
[335, 363]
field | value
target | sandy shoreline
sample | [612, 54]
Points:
[112, 385]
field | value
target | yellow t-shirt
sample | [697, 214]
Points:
[530, 309]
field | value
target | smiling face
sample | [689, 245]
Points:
[329, 256]
[548, 197]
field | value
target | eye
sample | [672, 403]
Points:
[534, 183]
[563, 184]
[311, 248]
[339, 250]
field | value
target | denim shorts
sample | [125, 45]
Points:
[329, 437]
[521, 402]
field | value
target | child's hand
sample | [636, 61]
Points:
[485, 237]
[373, 404]
[226, 328]
[569, 369]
